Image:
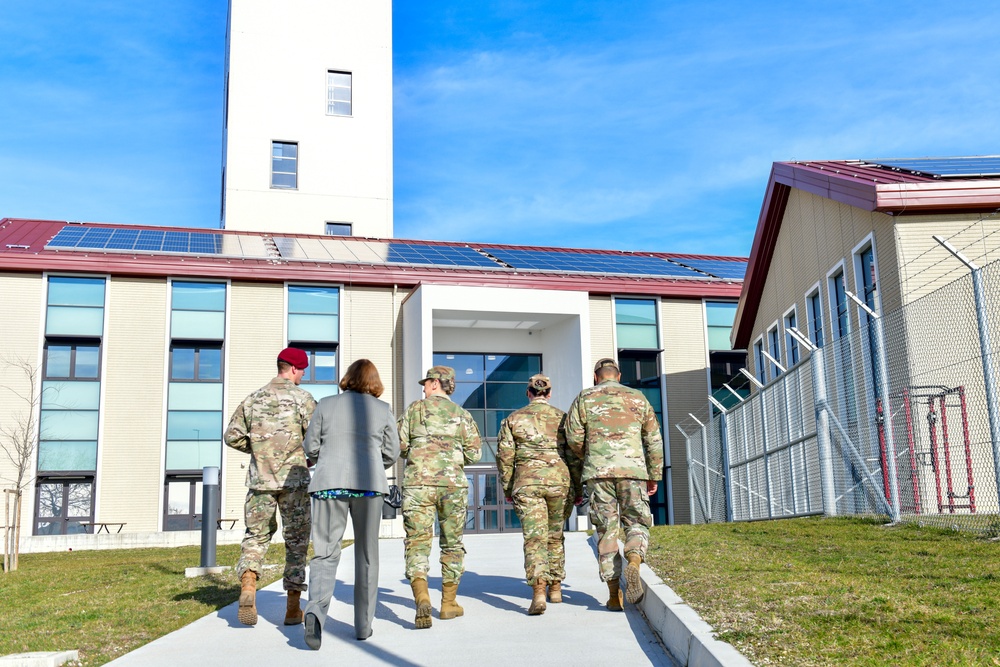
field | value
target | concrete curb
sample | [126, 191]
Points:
[39, 659]
[689, 639]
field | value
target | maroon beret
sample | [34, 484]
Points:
[295, 357]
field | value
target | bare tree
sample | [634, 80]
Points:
[19, 442]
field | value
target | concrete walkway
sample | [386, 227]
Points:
[495, 630]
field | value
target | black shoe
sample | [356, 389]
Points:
[314, 633]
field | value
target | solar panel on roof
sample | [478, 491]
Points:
[136, 240]
[416, 253]
[381, 252]
[720, 268]
[945, 167]
[584, 262]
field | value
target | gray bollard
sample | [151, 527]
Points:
[209, 512]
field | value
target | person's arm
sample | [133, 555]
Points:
[652, 444]
[573, 462]
[237, 433]
[403, 429]
[505, 458]
[576, 429]
[314, 436]
[472, 443]
[390, 442]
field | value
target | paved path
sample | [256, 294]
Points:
[495, 630]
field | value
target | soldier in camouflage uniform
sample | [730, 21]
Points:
[536, 475]
[437, 438]
[270, 425]
[614, 430]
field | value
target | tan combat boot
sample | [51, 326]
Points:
[293, 614]
[247, 613]
[450, 608]
[423, 601]
[555, 592]
[538, 599]
[633, 583]
[614, 602]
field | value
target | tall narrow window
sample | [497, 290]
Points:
[338, 93]
[284, 165]
[635, 324]
[194, 397]
[791, 345]
[70, 405]
[760, 364]
[314, 326]
[774, 349]
[724, 362]
[815, 311]
[838, 306]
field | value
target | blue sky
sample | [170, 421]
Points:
[639, 125]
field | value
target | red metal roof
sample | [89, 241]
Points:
[857, 183]
[22, 248]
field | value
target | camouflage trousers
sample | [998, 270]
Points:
[419, 505]
[540, 509]
[618, 505]
[261, 515]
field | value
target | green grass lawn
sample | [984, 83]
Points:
[106, 603]
[846, 592]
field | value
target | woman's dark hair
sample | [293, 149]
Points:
[362, 377]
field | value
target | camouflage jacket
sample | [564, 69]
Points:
[269, 425]
[531, 450]
[613, 428]
[437, 438]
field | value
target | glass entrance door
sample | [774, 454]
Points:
[488, 511]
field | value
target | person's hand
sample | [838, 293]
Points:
[578, 501]
[651, 487]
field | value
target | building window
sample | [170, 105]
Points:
[194, 409]
[338, 93]
[195, 363]
[759, 361]
[791, 345]
[64, 505]
[197, 311]
[723, 361]
[814, 306]
[75, 307]
[338, 229]
[490, 387]
[284, 165]
[635, 324]
[69, 360]
[838, 305]
[868, 284]
[314, 326]
[774, 349]
[182, 502]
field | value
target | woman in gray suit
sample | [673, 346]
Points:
[351, 439]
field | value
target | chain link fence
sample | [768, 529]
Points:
[897, 419]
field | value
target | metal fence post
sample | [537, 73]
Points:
[823, 446]
[882, 381]
[707, 474]
[986, 351]
[687, 454]
[724, 438]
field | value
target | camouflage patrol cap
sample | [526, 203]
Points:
[442, 373]
[606, 362]
[540, 383]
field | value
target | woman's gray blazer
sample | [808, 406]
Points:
[352, 438]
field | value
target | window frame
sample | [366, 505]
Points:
[73, 343]
[759, 362]
[774, 339]
[792, 347]
[197, 346]
[330, 97]
[839, 271]
[329, 223]
[295, 161]
[815, 330]
[65, 478]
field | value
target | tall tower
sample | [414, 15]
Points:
[307, 142]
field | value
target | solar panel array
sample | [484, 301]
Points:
[141, 240]
[945, 167]
[719, 268]
[585, 262]
[156, 241]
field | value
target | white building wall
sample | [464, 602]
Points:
[278, 56]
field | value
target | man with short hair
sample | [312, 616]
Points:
[614, 430]
[437, 438]
[270, 425]
[537, 476]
